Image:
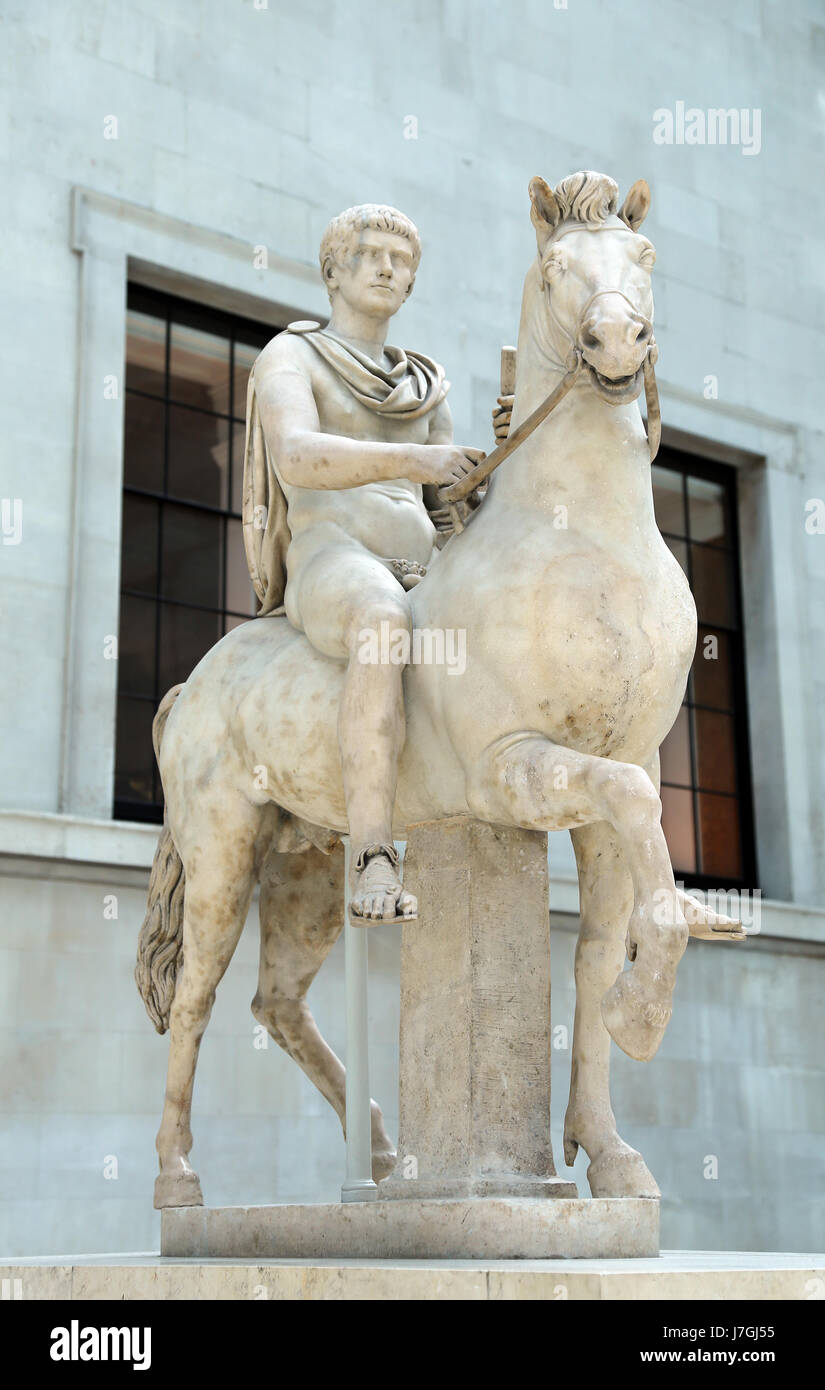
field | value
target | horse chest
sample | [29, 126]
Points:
[612, 647]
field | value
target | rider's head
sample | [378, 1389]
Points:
[369, 255]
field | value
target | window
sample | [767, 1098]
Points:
[184, 581]
[706, 792]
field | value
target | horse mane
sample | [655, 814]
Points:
[587, 197]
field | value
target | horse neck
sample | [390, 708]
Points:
[587, 455]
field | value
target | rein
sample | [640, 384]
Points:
[456, 492]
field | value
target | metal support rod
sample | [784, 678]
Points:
[359, 1185]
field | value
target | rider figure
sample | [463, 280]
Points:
[343, 434]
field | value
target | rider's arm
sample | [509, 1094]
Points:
[441, 432]
[309, 458]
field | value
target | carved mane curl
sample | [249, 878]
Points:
[588, 197]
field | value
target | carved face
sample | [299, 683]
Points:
[376, 275]
[600, 289]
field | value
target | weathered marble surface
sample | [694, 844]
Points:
[496, 1228]
[580, 630]
[475, 1017]
[675, 1275]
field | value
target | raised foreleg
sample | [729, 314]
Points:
[605, 905]
[525, 779]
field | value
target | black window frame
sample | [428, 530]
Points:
[236, 328]
[681, 461]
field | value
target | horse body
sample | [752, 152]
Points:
[588, 643]
[580, 630]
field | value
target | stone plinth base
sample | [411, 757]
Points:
[678, 1275]
[456, 1189]
[497, 1228]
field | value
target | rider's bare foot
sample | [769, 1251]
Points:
[379, 895]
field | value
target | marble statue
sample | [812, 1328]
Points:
[343, 434]
[580, 630]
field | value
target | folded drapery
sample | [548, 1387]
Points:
[411, 387]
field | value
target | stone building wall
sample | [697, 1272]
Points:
[240, 125]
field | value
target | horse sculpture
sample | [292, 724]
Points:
[580, 631]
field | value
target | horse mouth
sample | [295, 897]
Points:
[618, 390]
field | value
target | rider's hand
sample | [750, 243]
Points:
[443, 464]
[502, 416]
[442, 519]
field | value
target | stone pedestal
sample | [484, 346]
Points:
[487, 1228]
[475, 1017]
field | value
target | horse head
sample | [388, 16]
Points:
[594, 268]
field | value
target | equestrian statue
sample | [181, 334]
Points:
[363, 517]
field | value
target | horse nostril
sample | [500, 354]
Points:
[643, 333]
[590, 339]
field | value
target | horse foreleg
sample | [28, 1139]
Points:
[529, 781]
[606, 901]
[302, 916]
[219, 883]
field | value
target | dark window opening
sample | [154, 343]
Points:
[706, 789]
[184, 581]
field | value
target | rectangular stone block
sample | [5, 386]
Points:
[475, 1017]
[494, 1228]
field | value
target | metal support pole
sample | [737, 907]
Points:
[358, 1186]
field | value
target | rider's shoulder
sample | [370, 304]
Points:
[287, 352]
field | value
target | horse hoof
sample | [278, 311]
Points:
[621, 1174]
[383, 1164]
[571, 1148]
[635, 1021]
[177, 1190]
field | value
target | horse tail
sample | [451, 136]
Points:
[160, 943]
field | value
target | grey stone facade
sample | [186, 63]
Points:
[240, 127]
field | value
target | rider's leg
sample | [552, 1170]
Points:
[352, 608]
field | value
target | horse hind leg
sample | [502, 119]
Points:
[220, 876]
[302, 916]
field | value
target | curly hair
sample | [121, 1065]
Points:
[344, 228]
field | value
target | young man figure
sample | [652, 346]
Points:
[353, 431]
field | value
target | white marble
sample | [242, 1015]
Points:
[674, 1275]
[270, 748]
[717, 239]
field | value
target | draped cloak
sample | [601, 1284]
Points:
[412, 386]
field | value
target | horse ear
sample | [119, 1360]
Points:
[636, 205]
[545, 209]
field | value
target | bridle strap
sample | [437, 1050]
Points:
[457, 492]
[575, 341]
[654, 413]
